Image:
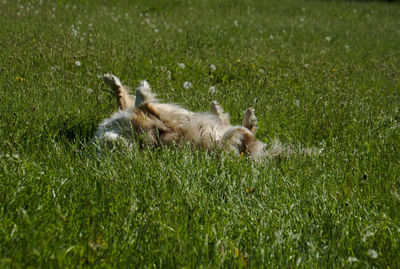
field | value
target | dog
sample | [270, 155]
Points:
[142, 118]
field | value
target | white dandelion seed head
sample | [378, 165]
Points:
[236, 23]
[368, 233]
[306, 65]
[213, 67]
[156, 30]
[372, 253]
[89, 90]
[262, 71]
[187, 85]
[352, 259]
[328, 38]
[182, 65]
[271, 37]
[78, 63]
[212, 90]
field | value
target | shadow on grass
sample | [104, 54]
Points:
[76, 130]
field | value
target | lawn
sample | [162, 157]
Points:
[319, 74]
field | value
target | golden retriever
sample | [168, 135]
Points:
[143, 119]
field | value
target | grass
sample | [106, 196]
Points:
[318, 73]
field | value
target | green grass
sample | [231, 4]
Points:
[318, 73]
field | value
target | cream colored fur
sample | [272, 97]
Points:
[154, 123]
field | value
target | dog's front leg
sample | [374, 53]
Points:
[124, 99]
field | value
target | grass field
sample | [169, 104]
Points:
[323, 74]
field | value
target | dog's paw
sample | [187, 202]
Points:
[143, 93]
[144, 87]
[216, 108]
[250, 119]
[112, 80]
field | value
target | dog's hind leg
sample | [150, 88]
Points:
[250, 120]
[237, 139]
[124, 99]
[217, 110]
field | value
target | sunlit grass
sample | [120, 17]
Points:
[323, 75]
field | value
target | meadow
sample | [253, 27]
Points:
[320, 74]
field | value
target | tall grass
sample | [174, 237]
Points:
[318, 73]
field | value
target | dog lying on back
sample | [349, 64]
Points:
[142, 118]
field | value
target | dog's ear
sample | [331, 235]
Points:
[250, 120]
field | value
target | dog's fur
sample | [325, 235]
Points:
[154, 123]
